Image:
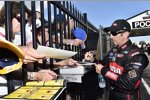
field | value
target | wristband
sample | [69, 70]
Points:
[31, 76]
[71, 42]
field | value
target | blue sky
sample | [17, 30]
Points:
[105, 12]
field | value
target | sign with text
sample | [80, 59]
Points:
[141, 24]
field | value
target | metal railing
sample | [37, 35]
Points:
[54, 7]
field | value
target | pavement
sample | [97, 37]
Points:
[146, 74]
[145, 86]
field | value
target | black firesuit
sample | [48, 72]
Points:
[123, 69]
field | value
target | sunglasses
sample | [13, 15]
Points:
[19, 19]
[115, 33]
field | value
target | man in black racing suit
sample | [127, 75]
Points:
[124, 64]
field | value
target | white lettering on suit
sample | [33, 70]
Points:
[116, 70]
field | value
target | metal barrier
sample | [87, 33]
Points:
[68, 10]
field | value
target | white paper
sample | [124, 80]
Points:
[72, 70]
[55, 53]
[73, 78]
[86, 64]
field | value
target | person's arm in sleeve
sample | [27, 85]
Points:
[131, 74]
[30, 54]
[42, 75]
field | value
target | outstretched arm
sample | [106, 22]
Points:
[42, 75]
[30, 54]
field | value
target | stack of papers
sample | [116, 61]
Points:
[72, 70]
[72, 74]
[72, 78]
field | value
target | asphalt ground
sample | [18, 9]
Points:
[145, 86]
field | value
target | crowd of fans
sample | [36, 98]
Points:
[144, 45]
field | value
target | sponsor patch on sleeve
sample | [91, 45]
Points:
[111, 75]
[132, 74]
[134, 53]
[136, 63]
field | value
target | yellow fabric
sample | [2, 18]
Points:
[12, 47]
[8, 45]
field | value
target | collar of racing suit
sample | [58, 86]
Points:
[124, 46]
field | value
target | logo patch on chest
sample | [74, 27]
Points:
[116, 68]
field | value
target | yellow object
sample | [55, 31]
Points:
[35, 83]
[46, 83]
[25, 90]
[13, 96]
[40, 96]
[7, 60]
[42, 90]
[50, 88]
[46, 91]
[54, 83]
